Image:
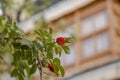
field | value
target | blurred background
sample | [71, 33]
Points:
[93, 24]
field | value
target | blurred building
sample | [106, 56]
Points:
[95, 52]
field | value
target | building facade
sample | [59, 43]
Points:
[95, 52]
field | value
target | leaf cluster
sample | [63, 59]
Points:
[25, 51]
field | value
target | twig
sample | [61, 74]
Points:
[40, 66]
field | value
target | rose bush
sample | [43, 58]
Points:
[29, 55]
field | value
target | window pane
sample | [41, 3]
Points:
[69, 58]
[88, 47]
[101, 20]
[102, 42]
[87, 26]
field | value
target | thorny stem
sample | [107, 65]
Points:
[40, 66]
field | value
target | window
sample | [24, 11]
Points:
[88, 47]
[96, 44]
[87, 26]
[93, 23]
[101, 20]
[102, 42]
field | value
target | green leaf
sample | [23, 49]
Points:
[47, 34]
[16, 44]
[29, 53]
[68, 40]
[20, 76]
[24, 47]
[14, 72]
[2, 18]
[17, 56]
[35, 49]
[56, 61]
[1, 27]
[25, 42]
[21, 71]
[30, 61]
[66, 49]
[56, 70]
[50, 55]
[38, 32]
[15, 26]
[50, 30]
[33, 69]
[28, 70]
[22, 64]
[38, 46]
[1, 56]
[13, 33]
[58, 50]
[62, 71]
[43, 33]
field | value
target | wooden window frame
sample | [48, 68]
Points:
[89, 12]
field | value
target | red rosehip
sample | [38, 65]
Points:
[60, 41]
[51, 67]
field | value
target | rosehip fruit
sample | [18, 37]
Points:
[51, 67]
[60, 41]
